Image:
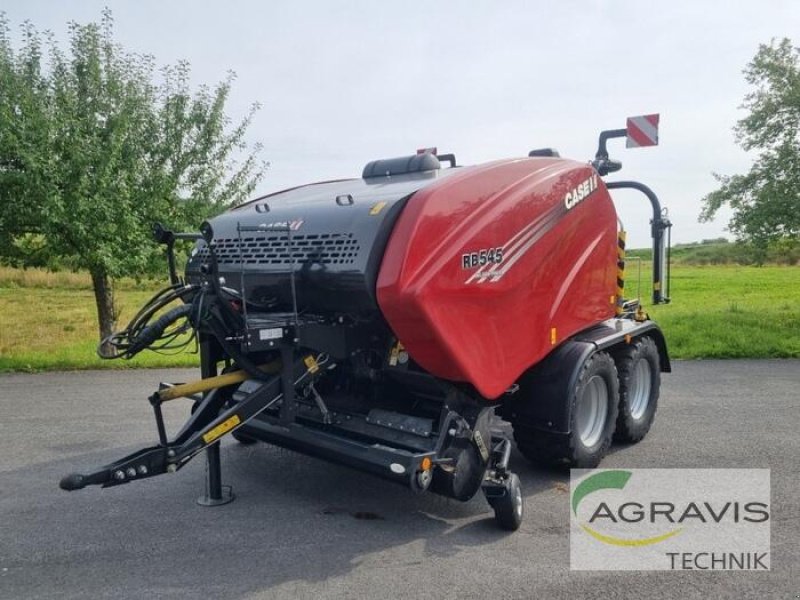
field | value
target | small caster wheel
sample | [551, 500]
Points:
[243, 439]
[509, 508]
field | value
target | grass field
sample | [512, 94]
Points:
[47, 321]
[731, 312]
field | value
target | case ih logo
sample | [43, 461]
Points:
[580, 192]
[284, 225]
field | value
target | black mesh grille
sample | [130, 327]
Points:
[322, 248]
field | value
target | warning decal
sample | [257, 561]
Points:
[642, 131]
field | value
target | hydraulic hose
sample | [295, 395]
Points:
[141, 333]
[155, 330]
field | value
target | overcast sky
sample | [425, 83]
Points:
[342, 83]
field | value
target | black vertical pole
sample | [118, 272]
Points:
[287, 385]
[658, 225]
[214, 472]
[214, 495]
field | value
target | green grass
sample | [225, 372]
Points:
[45, 328]
[716, 312]
[730, 311]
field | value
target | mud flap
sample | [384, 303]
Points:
[541, 401]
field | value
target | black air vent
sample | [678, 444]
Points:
[322, 248]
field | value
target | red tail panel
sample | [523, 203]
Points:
[490, 268]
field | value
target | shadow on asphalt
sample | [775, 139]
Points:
[295, 519]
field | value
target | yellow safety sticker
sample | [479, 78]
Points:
[553, 336]
[394, 355]
[311, 364]
[478, 439]
[377, 208]
[221, 429]
[656, 285]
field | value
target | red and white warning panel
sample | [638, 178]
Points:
[642, 131]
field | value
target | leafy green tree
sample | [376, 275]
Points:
[766, 200]
[96, 144]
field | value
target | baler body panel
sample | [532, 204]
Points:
[338, 233]
[486, 271]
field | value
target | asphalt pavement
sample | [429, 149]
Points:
[303, 528]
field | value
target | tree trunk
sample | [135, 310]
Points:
[106, 309]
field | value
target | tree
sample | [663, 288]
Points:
[766, 200]
[96, 144]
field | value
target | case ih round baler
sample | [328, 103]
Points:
[385, 322]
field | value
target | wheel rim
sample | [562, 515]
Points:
[592, 411]
[639, 389]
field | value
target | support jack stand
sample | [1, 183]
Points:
[216, 493]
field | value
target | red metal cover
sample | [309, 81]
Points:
[487, 270]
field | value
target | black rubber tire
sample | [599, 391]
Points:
[631, 430]
[567, 450]
[509, 510]
[243, 439]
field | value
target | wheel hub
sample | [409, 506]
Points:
[592, 411]
[639, 389]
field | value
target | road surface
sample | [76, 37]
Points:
[297, 527]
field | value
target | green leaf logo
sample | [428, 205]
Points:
[599, 481]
